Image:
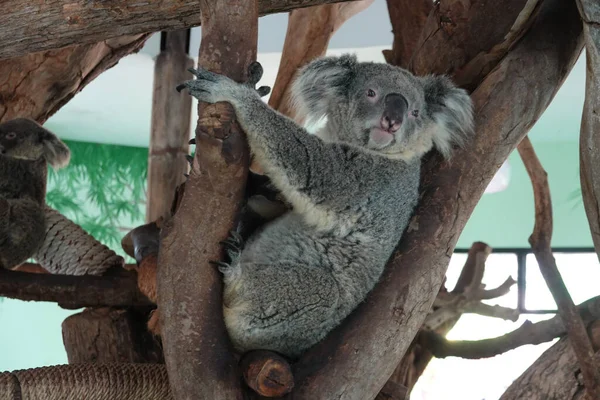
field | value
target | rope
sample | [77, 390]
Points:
[87, 382]
[69, 250]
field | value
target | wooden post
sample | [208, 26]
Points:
[170, 128]
[198, 354]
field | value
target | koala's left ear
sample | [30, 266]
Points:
[451, 110]
[56, 152]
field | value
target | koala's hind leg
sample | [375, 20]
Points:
[22, 230]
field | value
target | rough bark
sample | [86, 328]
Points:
[370, 343]
[590, 124]
[470, 38]
[555, 375]
[59, 24]
[38, 85]
[408, 19]
[540, 241]
[73, 292]
[170, 127]
[108, 335]
[197, 349]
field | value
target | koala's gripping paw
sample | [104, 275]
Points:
[212, 88]
[208, 86]
[233, 247]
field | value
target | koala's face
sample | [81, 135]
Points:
[383, 108]
[24, 139]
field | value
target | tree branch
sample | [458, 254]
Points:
[540, 241]
[470, 39]
[528, 333]
[371, 341]
[73, 292]
[198, 353]
[589, 141]
[59, 24]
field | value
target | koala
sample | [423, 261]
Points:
[353, 187]
[25, 149]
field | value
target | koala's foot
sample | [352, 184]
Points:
[233, 248]
[212, 88]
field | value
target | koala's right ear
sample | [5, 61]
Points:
[56, 152]
[320, 81]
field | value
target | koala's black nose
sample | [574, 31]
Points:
[395, 107]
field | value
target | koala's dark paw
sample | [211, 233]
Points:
[255, 73]
[233, 245]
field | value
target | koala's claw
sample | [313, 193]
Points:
[222, 266]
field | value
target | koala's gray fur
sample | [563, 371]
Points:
[25, 150]
[353, 187]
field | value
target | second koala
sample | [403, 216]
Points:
[353, 187]
[26, 149]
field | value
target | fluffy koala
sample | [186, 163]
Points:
[25, 150]
[353, 187]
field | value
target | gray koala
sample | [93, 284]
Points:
[353, 187]
[26, 149]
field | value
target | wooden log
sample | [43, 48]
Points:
[38, 85]
[170, 126]
[198, 353]
[267, 373]
[108, 335]
[370, 342]
[59, 24]
[589, 141]
[73, 292]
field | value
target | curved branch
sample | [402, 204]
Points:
[540, 241]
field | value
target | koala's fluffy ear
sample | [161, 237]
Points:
[451, 110]
[57, 153]
[319, 82]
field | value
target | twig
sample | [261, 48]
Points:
[540, 241]
[73, 292]
[528, 333]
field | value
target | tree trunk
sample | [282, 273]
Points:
[38, 85]
[198, 353]
[170, 130]
[370, 343]
[589, 145]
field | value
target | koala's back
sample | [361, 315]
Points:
[22, 219]
[23, 178]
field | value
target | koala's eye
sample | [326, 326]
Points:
[415, 113]
[371, 93]
[10, 135]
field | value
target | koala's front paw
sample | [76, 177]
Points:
[233, 247]
[255, 73]
[208, 86]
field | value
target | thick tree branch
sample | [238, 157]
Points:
[408, 18]
[59, 24]
[119, 290]
[589, 142]
[527, 333]
[540, 241]
[470, 38]
[370, 342]
[198, 354]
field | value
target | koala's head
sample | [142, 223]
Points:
[383, 108]
[25, 139]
